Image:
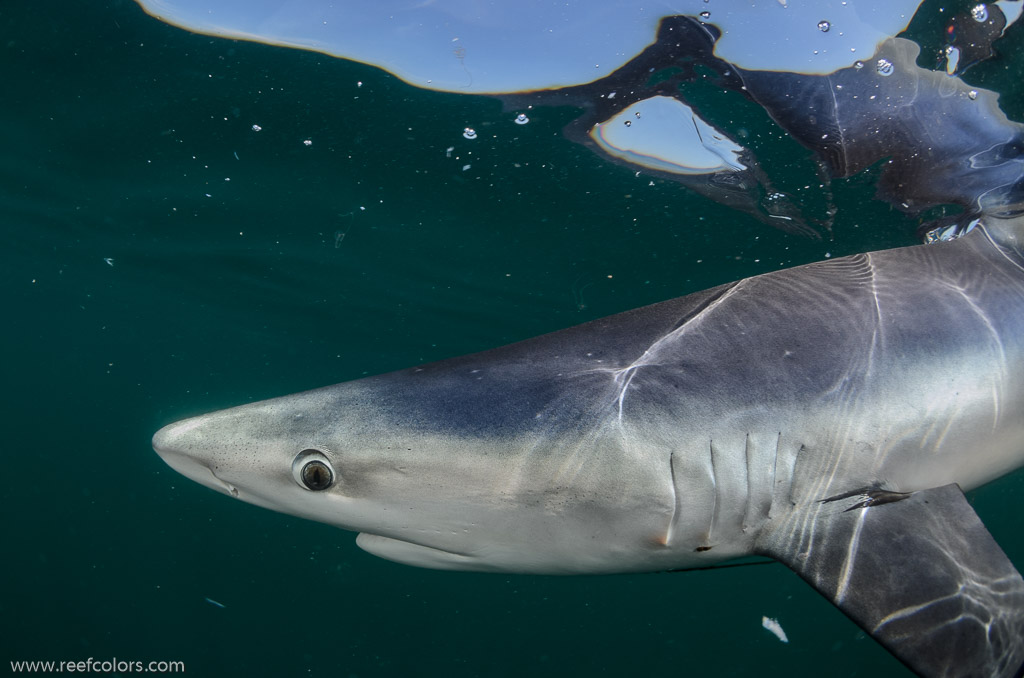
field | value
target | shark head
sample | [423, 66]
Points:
[466, 464]
[317, 455]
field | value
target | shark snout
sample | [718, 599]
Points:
[175, 445]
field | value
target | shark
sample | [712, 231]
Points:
[830, 416]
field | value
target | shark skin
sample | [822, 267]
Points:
[829, 416]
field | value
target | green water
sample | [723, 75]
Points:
[162, 259]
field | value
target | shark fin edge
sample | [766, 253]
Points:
[921, 575]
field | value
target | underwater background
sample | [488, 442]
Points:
[173, 245]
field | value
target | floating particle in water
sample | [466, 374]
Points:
[213, 602]
[256, 128]
[972, 95]
[628, 123]
[858, 64]
[705, 15]
[774, 626]
[307, 142]
[823, 26]
[469, 133]
[979, 13]
[109, 261]
[521, 119]
[885, 67]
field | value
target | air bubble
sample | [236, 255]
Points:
[972, 95]
[823, 26]
[469, 133]
[307, 142]
[521, 119]
[705, 15]
[979, 13]
[256, 128]
[858, 64]
[628, 123]
[885, 67]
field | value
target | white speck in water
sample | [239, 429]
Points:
[705, 15]
[521, 119]
[972, 95]
[109, 260]
[823, 26]
[858, 64]
[466, 167]
[448, 151]
[469, 133]
[774, 626]
[885, 67]
[628, 123]
[256, 128]
[307, 142]
[979, 13]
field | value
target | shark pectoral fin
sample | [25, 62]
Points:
[919, 572]
[416, 555]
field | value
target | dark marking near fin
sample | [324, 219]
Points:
[918, 572]
[870, 497]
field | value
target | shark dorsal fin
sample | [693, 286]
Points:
[919, 572]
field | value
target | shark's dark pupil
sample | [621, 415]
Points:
[317, 476]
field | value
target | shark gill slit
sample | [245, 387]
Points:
[675, 500]
[715, 507]
[748, 499]
[775, 475]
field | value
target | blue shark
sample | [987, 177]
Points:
[829, 416]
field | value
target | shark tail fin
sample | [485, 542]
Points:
[919, 572]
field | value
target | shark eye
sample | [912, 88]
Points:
[312, 470]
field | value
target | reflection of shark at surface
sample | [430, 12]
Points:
[942, 141]
[828, 416]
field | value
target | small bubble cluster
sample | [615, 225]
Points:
[979, 13]
[823, 26]
[469, 133]
[885, 67]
